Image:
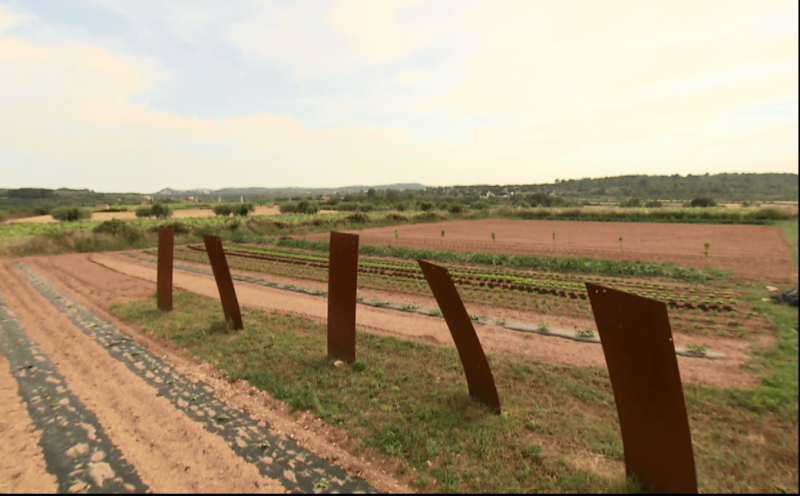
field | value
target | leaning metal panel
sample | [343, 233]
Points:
[222, 274]
[166, 245]
[476, 367]
[640, 355]
[342, 277]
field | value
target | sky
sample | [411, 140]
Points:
[140, 95]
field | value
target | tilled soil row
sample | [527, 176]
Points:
[473, 280]
[431, 312]
[279, 459]
[76, 449]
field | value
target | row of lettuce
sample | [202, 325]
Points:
[495, 277]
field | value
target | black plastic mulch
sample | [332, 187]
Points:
[297, 469]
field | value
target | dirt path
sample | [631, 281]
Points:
[757, 253]
[165, 426]
[723, 373]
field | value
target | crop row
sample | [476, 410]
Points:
[541, 285]
[581, 265]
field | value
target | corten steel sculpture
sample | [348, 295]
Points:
[166, 245]
[222, 274]
[342, 277]
[640, 354]
[476, 367]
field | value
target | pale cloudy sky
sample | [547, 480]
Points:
[137, 95]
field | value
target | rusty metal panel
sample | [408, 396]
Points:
[479, 376]
[640, 355]
[222, 274]
[342, 287]
[166, 245]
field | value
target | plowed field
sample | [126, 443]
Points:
[753, 253]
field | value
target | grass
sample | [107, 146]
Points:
[409, 400]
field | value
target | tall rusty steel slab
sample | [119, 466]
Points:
[479, 376]
[342, 288]
[640, 355]
[222, 274]
[166, 249]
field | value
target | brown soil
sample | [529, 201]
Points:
[722, 373]
[158, 440]
[753, 253]
[22, 466]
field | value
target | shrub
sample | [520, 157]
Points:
[653, 204]
[223, 210]
[631, 203]
[307, 207]
[176, 226]
[287, 208]
[70, 214]
[161, 210]
[119, 229]
[242, 209]
[426, 206]
[41, 211]
[144, 212]
[703, 201]
[455, 208]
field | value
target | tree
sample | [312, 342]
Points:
[703, 201]
[371, 193]
[631, 203]
[144, 212]
[69, 214]
[223, 209]
[242, 209]
[161, 210]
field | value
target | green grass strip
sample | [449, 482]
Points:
[409, 400]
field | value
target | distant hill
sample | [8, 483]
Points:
[289, 190]
[720, 187]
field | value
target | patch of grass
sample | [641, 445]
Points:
[415, 406]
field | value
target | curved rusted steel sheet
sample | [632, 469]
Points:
[166, 246]
[222, 274]
[342, 288]
[640, 354]
[479, 376]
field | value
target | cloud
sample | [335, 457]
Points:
[411, 76]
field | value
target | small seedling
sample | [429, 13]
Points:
[194, 397]
[223, 418]
[554, 238]
[585, 333]
[379, 303]
[474, 318]
[170, 381]
[435, 313]
[265, 444]
[410, 306]
[706, 247]
[620, 244]
[544, 327]
[395, 234]
[493, 237]
[501, 321]
[700, 349]
[443, 233]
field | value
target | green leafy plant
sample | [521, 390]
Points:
[379, 303]
[585, 333]
[700, 349]
[474, 318]
[410, 306]
[501, 321]
[620, 244]
[443, 233]
[544, 327]
[493, 237]
[435, 313]
[706, 247]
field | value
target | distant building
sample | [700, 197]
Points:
[101, 206]
[144, 203]
[190, 198]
